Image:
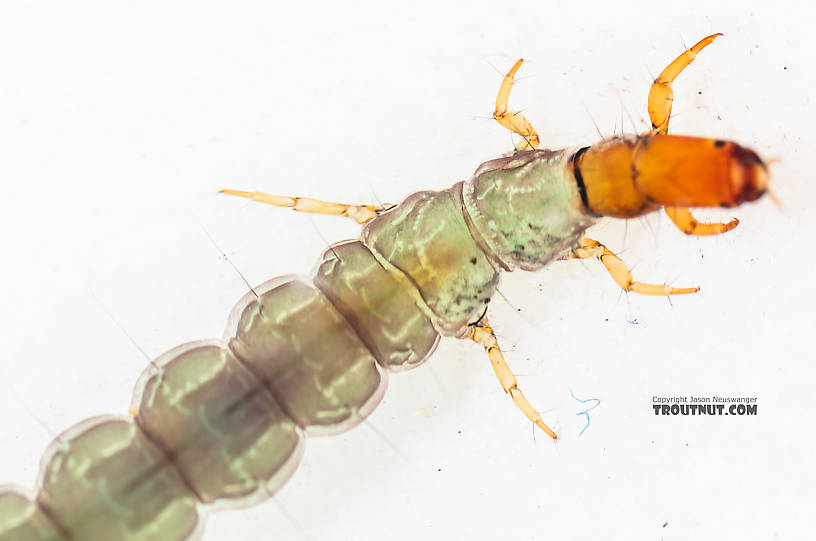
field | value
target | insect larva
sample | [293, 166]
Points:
[749, 167]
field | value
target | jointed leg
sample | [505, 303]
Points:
[482, 334]
[359, 213]
[513, 120]
[661, 93]
[688, 224]
[620, 272]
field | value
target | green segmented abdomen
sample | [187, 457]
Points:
[223, 423]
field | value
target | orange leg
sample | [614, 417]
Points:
[689, 225]
[482, 334]
[620, 272]
[661, 97]
[514, 120]
[359, 213]
[661, 94]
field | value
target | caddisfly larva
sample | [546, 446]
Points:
[222, 423]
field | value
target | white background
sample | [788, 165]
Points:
[120, 120]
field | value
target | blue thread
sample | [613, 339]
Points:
[586, 411]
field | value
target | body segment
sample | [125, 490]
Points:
[527, 208]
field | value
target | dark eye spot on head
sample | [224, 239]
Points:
[719, 143]
[473, 260]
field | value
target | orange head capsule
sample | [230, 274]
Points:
[625, 177]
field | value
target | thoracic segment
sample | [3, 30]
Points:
[223, 423]
[527, 208]
[427, 240]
